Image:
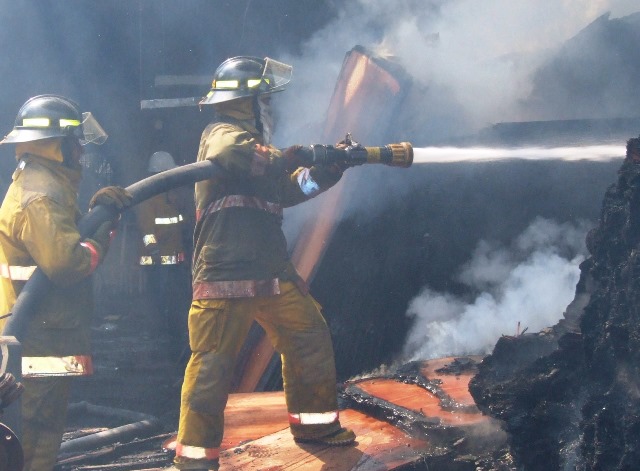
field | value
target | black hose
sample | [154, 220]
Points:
[141, 425]
[34, 289]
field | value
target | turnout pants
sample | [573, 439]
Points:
[44, 413]
[217, 330]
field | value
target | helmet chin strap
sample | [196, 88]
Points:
[71, 152]
[264, 117]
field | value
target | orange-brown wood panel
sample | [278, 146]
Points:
[417, 399]
[258, 362]
[380, 446]
[249, 416]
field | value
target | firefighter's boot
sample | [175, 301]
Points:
[341, 437]
[187, 464]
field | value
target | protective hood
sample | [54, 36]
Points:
[49, 149]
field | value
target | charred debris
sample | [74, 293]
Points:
[568, 396]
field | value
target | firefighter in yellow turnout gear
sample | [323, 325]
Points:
[165, 227]
[38, 229]
[242, 270]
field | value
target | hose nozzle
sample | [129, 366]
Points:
[395, 155]
[350, 153]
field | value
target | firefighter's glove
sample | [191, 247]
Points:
[116, 197]
[296, 156]
[340, 166]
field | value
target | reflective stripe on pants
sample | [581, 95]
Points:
[73, 365]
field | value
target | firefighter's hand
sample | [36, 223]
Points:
[296, 156]
[114, 196]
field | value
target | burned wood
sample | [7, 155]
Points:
[459, 366]
[411, 422]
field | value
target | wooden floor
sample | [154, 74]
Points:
[257, 435]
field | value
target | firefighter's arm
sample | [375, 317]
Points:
[50, 234]
[233, 149]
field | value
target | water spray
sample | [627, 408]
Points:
[475, 154]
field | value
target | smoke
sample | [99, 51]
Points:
[524, 286]
[474, 60]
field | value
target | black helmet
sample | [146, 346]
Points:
[47, 116]
[246, 76]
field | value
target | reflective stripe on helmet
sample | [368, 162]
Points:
[15, 272]
[73, 365]
[314, 418]
[228, 84]
[235, 84]
[36, 122]
[46, 122]
[197, 452]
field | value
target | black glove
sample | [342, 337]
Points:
[114, 196]
[297, 156]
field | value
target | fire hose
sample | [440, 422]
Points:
[396, 155]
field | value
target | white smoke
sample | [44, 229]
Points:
[528, 284]
[474, 59]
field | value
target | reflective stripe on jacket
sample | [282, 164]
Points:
[16, 273]
[161, 223]
[162, 259]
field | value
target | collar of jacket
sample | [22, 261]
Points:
[50, 149]
[70, 174]
[247, 125]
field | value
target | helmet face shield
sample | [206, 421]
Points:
[92, 132]
[278, 73]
